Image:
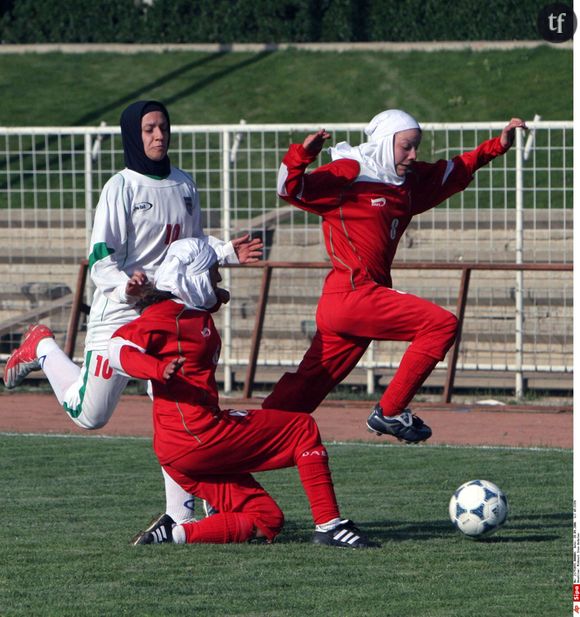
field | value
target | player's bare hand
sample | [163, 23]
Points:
[509, 132]
[248, 250]
[313, 143]
[137, 285]
[172, 367]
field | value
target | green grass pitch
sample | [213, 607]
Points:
[288, 86]
[71, 504]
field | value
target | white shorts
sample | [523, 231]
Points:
[92, 398]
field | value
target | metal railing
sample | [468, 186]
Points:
[267, 268]
[518, 211]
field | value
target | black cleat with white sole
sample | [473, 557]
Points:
[405, 427]
[344, 535]
[160, 531]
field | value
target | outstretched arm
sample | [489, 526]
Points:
[491, 148]
[436, 182]
[239, 250]
[321, 189]
[508, 134]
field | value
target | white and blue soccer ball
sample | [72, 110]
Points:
[478, 508]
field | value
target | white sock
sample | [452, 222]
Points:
[179, 504]
[45, 346]
[330, 525]
[59, 369]
[178, 534]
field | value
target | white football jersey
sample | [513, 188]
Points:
[136, 220]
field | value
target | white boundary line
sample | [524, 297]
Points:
[133, 48]
[75, 436]
[449, 446]
[327, 443]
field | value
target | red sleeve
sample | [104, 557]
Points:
[319, 190]
[135, 361]
[141, 365]
[433, 183]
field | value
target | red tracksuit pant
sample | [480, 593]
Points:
[347, 323]
[245, 441]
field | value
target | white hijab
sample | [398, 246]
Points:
[185, 273]
[377, 156]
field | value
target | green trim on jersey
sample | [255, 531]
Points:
[100, 251]
[75, 412]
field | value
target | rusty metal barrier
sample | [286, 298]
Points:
[268, 267]
[465, 269]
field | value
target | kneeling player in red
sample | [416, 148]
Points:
[209, 451]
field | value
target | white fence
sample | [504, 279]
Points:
[517, 210]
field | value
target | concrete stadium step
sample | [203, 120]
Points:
[52, 218]
[278, 216]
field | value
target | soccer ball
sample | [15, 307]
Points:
[478, 508]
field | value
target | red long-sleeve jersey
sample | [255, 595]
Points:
[363, 221]
[185, 406]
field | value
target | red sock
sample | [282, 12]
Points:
[221, 528]
[412, 372]
[317, 482]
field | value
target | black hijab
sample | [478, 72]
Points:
[135, 157]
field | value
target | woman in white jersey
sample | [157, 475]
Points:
[141, 211]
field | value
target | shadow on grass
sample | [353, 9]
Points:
[401, 531]
[398, 531]
[518, 539]
[386, 536]
[554, 516]
[202, 83]
[168, 100]
[134, 95]
[294, 531]
[41, 143]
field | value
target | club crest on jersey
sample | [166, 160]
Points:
[142, 206]
[206, 332]
[378, 202]
[188, 205]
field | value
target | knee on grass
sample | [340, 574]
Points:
[269, 524]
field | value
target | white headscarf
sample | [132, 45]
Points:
[377, 156]
[185, 273]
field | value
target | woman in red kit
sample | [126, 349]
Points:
[366, 198]
[211, 452]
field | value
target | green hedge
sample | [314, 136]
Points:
[265, 21]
